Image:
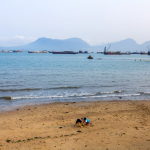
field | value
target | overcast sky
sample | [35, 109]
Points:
[94, 21]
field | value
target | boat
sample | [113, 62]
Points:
[100, 52]
[30, 52]
[143, 53]
[106, 52]
[126, 53]
[148, 50]
[90, 57]
[65, 52]
[50, 51]
[44, 51]
[81, 52]
[135, 53]
[86, 52]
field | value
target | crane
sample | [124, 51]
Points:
[148, 48]
[108, 47]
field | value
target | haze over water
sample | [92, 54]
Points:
[27, 79]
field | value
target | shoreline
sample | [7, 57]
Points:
[115, 124]
[13, 108]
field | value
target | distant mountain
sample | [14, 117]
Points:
[77, 44]
[74, 44]
[124, 45]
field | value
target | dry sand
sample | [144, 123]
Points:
[115, 125]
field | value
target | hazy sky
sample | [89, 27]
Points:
[94, 21]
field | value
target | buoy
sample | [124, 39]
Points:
[135, 59]
[140, 59]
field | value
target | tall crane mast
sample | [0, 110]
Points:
[108, 47]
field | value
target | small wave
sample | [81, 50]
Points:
[125, 95]
[145, 93]
[67, 96]
[35, 97]
[68, 87]
[34, 89]
[7, 85]
[13, 90]
[6, 97]
[107, 92]
[106, 86]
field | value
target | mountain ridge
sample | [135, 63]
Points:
[77, 44]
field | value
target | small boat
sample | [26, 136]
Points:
[90, 57]
[81, 52]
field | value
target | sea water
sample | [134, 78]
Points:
[37, 78]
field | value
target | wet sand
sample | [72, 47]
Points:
[115, 125]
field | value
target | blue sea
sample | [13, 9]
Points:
[38, 78]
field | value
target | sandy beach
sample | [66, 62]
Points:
[115, 125]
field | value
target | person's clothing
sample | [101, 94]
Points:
[79, 121]
[87, 121]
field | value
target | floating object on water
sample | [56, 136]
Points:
[135, 59]
[90, 57]
[140, 59]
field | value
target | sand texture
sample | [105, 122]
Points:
[115, 125]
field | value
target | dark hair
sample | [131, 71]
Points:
[84, 118]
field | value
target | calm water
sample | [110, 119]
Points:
[28, 78]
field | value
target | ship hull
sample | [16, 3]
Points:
[111, 54]
[65, 52]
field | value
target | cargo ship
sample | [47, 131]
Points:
[86, 52]
[143, 53]
[65, 52]
[81, 52]
[148, 50]
[106, 52]
[44, 51]
[126, 53]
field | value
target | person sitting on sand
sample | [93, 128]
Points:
[79, 122]
[86, 121]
